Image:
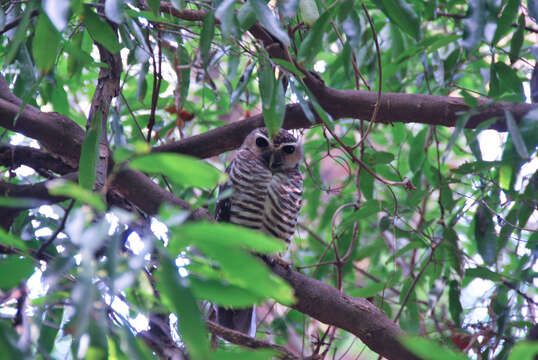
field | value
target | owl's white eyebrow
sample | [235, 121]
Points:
[263, 136]
[288, 143]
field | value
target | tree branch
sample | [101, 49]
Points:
[238, 338]
[14, 156]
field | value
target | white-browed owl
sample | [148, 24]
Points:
[267, 189]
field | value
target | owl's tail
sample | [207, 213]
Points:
[243, 320]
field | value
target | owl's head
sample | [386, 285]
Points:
[283, 152]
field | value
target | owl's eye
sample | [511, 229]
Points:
[288, 149]
[261, 142]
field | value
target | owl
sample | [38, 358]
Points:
[267, 189]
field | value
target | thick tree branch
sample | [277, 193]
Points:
[14, 156]
[356, 315]
[57, 133]
[34, 195]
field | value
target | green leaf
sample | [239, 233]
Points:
[181, 169]
[246, 16]
[14, 44]
[402, 14]
[508, 79]
[9, 239]
[273, 100]
[454, 304]
[517, 39]
[460, 124]
[154, 5]
[244, 79]
[17, 202]
[417, 154]
[290, 67]
[222, 293]
[269, 21]
[100, 31]
[430, 350]
[19, 269]
[245, 270]
[114, 10]
[8, 342]
[524, 350]
[485, 235]
[519, 143]
[89, 155]
[505, 21]
[482, 273]
[178, 296]
[206, 37]
[309, 11]
[245, 354]
[75, 191]
[229, 235]
[45, 44]
[178, 4]
[369, 290]
[50, 328]
[184, 59]
[312, 44]
[226, 15]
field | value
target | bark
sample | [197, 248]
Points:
[356, 315]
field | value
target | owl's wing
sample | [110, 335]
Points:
[222, 210]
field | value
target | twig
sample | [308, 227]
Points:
[58, 230]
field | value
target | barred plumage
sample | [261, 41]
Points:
[267, 189]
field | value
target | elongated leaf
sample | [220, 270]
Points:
[431, 350]
[89, 155]
[223, 294]
[402, 14]
[485, 235]
[8, 342]
[75, 191]
[517, 39]
[114, 11]
[242, 84]
[289, 66]
[245, 354]
[9, 239]
[505, 21]
[416, 153]
[245, 270]
[178, 296]
[50, 328]
[519, 143]
[483, 273]
[100, 31]
[154, 5]
[13, 45]
[18, 269]
[181, 169]
[524, 350]
[229, 235]
[206, 36]
[454, 304]
[45, 44]
[312, 44]
[226, 15]
[269, 21]
[309, 11]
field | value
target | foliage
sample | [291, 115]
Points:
[453, 259]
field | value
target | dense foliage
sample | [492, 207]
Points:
[435, 225]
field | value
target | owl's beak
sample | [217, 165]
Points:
[273, 159]
[276, 160]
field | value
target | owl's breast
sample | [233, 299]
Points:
[264, 201]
